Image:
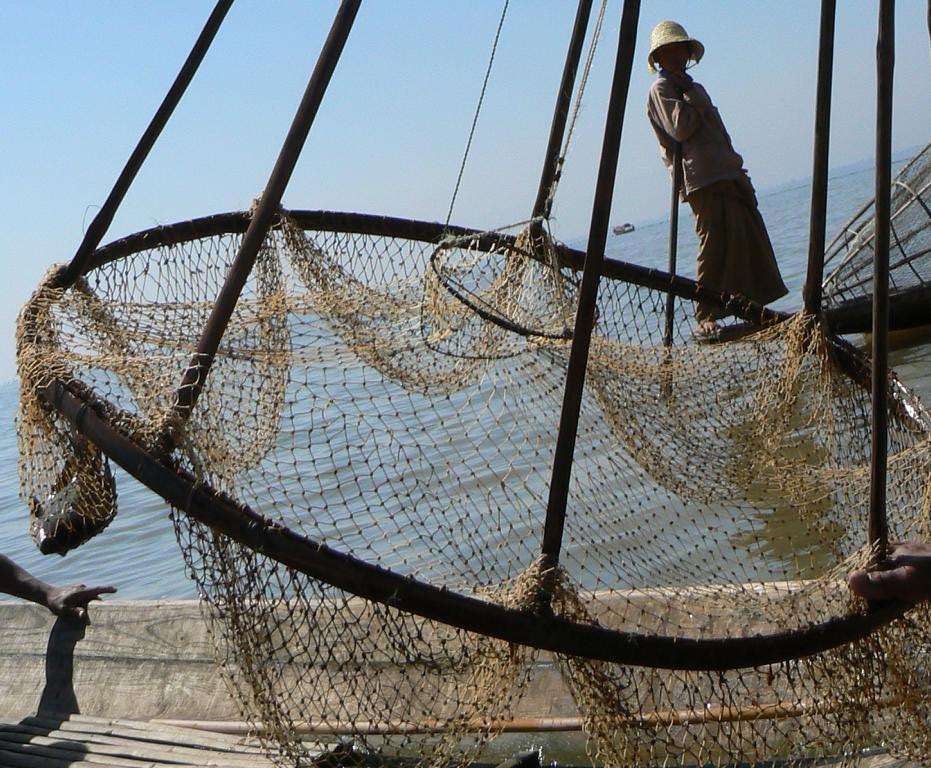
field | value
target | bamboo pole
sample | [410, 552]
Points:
[103, 219]
[819, 183]
[588, 292]
[658, 718]
[673, 239]
[885, 61]
[550, 173]
[201, 361]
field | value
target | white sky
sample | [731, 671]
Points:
[82, 80]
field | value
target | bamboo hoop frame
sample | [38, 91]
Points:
[94, 418]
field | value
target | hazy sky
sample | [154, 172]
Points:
[82, 80]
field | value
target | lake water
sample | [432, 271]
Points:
[138, 552]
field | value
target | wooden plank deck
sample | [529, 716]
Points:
[78, 741]
[75, 741]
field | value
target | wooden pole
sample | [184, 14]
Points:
[195, 376]
[550, 173]
[588, 291]
[885, 61]
[663, 718]
[819, 183]
[101, 223]
[673, 239]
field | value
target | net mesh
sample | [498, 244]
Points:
[849, 257]
[397, 399]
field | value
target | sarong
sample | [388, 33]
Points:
[735, 254]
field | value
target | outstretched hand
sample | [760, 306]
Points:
[907, 578]
[72, 601]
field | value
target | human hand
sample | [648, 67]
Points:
[907, 579]
[696, 97]
[72, 601]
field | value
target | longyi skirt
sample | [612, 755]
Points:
[735, 254]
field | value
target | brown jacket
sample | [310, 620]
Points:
[686, 115]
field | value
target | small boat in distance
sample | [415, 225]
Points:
[623, 229]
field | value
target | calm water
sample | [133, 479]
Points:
[138, 552]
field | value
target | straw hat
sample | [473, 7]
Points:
[667, 33]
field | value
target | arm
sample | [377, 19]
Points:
[673, 110]
[62, 601]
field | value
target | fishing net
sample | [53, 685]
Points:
[381, 416]
[849, 256]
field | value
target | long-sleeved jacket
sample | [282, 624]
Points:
[686, 115]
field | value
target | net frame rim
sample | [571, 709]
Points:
[95, 418]
[473, 302]
[237, 222]
[754, 316]
[406, 593]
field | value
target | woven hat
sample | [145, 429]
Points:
[667, 33]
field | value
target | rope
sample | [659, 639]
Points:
[478, 110]
[577, 108]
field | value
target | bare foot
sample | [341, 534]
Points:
[706, 329]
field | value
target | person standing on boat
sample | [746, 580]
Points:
[735, 254]
[62, 601]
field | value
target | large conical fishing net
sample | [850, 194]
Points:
[385, 403]
[849, 257]
[361, 478]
